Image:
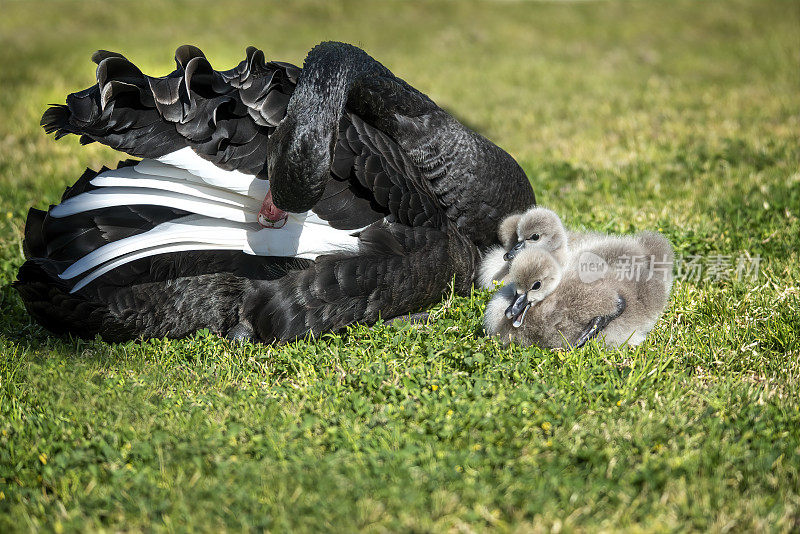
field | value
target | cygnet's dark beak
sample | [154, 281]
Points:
[514, 251]
[518, 309]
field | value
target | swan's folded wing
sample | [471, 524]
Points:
[372, 177]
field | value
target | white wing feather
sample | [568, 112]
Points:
[128, 177]
[188, 160]
[123, 196]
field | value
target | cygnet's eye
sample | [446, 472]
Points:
[537, 285]
[535, 237]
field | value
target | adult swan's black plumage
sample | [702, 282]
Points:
[390, 198]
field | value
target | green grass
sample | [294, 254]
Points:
[627, 116]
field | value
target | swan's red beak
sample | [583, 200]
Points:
[270, 216]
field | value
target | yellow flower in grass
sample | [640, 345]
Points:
[546, 426]
[43, 458]
[434, 387]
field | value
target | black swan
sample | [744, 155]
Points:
[270, 202]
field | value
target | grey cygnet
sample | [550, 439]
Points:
[537, 227]
[604, 301]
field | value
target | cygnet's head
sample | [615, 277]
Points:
[534, 274]
[539, 228]
[507, 231]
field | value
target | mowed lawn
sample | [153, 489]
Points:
[680, 117]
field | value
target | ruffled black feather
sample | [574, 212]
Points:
[225, 116]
